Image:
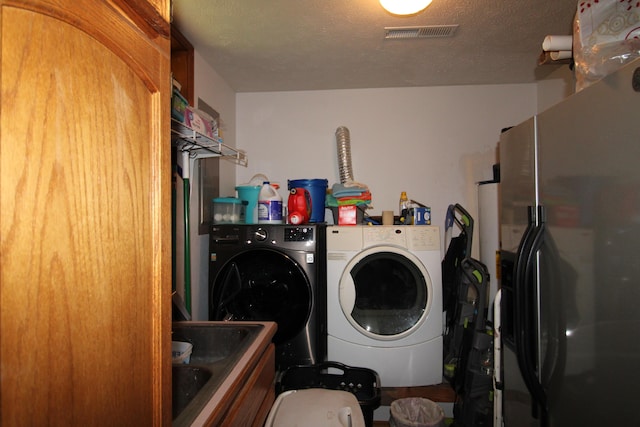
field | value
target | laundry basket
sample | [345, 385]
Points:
[364, 383]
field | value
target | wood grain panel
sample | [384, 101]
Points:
[257, 388]
[85, 248]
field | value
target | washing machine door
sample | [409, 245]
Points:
[263, 285]
[385, 292]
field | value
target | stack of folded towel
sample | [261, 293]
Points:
[348, 193]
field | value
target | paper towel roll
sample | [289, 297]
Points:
[557, 43]
[557, 55]
[387, 217]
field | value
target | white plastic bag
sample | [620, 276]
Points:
[416, 412]
[606, 36]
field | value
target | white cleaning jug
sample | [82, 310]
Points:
[269, 205]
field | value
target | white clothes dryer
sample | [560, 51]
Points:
[384, 301]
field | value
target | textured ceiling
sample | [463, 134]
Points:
[282, 45]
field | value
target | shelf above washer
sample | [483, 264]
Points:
[201, 146]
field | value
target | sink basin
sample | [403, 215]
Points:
[187, 381]
[217, 349]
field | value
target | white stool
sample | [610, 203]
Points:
[316, 407]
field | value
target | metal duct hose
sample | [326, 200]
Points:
[343, 142]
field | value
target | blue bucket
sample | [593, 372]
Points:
[317, 188]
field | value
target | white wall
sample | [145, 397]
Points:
[435, 143]
[425, 141]
[557, 86]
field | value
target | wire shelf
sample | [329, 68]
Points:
[202, 146]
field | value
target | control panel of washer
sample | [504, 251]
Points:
[298, 234]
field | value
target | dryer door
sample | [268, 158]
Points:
[385, 292]
[263, 284]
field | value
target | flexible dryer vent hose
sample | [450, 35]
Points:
[343, 141]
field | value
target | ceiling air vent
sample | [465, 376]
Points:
[427, 31]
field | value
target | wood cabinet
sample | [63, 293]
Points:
[254, 401]
[85, 200]
[182, 63]
[250, 398]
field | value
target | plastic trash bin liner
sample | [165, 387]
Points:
[416, 412]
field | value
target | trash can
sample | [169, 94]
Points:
[416, 412]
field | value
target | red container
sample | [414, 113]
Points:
[348, 215]
[299, 206]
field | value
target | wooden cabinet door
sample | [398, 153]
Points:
[85, 227]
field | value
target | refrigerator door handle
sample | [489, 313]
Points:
[529, 326]
[552, 277]
[526, 307]
[518, 283]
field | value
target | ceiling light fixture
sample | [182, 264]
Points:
[404, 7]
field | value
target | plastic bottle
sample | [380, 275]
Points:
[403, 208]
[269, 205]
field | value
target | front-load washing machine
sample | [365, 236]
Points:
[274, 273]
[384, 301]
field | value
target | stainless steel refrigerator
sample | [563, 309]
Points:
[570, 260]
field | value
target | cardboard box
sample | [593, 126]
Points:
[422, 216]
[348, 215]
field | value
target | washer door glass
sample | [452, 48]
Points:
[385, 293]
[263, 285]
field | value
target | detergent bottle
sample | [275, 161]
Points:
[269, 205]
[403, 208]
[299, 206]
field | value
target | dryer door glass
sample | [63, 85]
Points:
[390, 294]
[263, 285]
